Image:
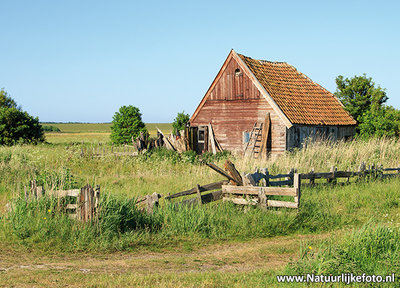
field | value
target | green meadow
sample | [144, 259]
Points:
[338, 228]
[93, 132]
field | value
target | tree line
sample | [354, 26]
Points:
[361, 97]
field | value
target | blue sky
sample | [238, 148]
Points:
[81, 60]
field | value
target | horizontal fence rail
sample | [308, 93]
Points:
[262, 176]
[258, 195]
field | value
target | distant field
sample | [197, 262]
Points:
[103, 127]
[92, 132]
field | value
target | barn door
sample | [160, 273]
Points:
[202, 139]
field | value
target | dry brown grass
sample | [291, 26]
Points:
[322, 155]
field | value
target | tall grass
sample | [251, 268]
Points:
[122, 226]
[162, 171]
[322, 155]
[373, 249]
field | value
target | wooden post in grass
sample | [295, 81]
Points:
[198, 194]
[39, 192]
[97, 201]
[297, 185]
[361, 170]
[312, 177]
[291, 173]
[262, 199]
[332, 178]
[152, 201]
[266, 177]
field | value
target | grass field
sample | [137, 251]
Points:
[353, 228]
[103, 127]
[92, 132]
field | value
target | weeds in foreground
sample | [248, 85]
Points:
[122, 226]
[374, 250]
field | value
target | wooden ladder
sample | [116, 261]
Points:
[253, 147]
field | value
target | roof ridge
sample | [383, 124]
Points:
[265, 61]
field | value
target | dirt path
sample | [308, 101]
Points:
[272, 253]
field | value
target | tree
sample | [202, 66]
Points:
[359, 95]
[17, 126]
[180, 122]
[380, 123]
[127, 123]
[366, 103]
[6, 101]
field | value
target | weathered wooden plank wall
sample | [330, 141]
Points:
[232, 107]
[296, 135]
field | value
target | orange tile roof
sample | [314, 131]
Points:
[302, 100]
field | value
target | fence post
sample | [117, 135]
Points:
[87, 211]
[39, 192]
[198, 194]
[97, 198]
[262, 199]
[312, 178]
[297, 185]
[152, 201]
[266, 173]
[81, 205]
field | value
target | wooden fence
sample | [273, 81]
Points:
[242, 190]
[262, 188]
[364, 172]
[81, 204]
[258, 195]
[200, 198]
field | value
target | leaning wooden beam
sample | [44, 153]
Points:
[234, 173]
[207, 187]
[220, 171]
[212, 140]
[248, 180]
[218, 145]
[166, 139]
[205, 198]
[264, 136]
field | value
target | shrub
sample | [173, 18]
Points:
[50, 128]
[127, 123]
[17, 126]
[180, 122]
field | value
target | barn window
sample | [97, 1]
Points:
[237, 72]
[202, 139]
[246, 137]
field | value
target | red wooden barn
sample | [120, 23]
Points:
[262, 107]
